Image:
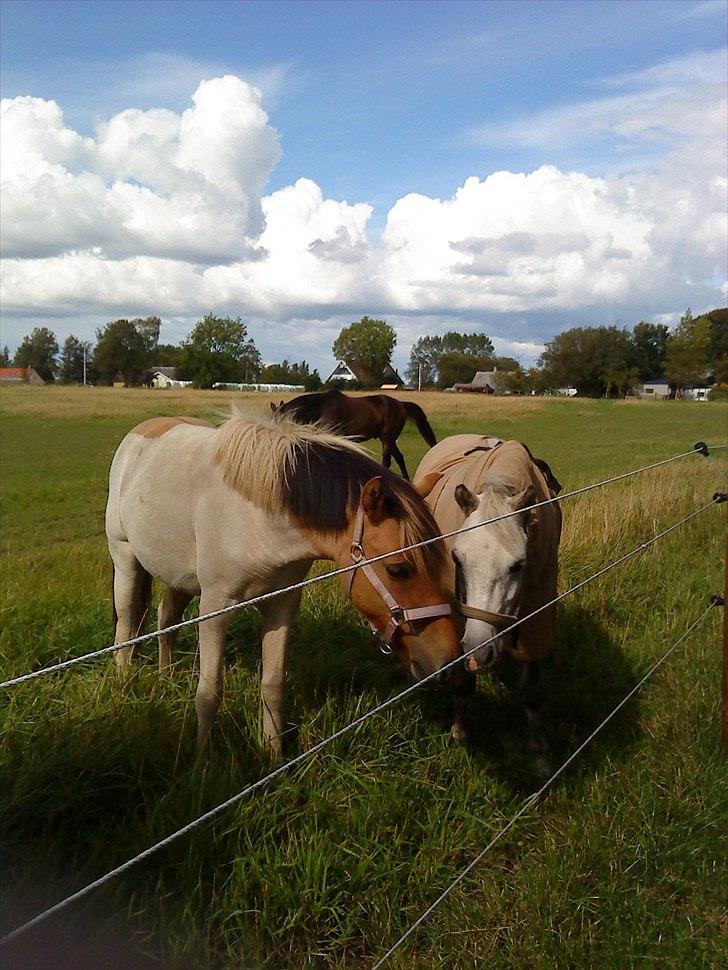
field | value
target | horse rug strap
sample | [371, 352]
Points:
[398, 614]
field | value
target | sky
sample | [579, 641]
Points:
[514, 168]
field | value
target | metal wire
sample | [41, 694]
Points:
[532, 799]
[142, 638]
[255, 786]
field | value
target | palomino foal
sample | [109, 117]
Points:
[232, 512]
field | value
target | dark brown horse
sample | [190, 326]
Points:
[361, 418]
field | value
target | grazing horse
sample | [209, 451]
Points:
[506, 569]
[360, 418]
[232, 512]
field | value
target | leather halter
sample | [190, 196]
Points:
[398, 614]
[501, 620]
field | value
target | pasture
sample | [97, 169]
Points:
[622, 865]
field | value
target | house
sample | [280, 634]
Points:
[20, 375]
[167, 377]
[656, 388]
[387, 380]
[566, 391]
[484, 382]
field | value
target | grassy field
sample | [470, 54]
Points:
[622, 865]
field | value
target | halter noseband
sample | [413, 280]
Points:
[398, 614]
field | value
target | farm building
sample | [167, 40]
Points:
[484, 382]
[20, 375]
[655, 388]
[264, 388]
[167, 377]
[388, 380]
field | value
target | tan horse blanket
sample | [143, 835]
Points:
[467, 459]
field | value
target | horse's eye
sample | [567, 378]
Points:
[517, 566]
[399, 570]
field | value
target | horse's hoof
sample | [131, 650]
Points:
[459, 734]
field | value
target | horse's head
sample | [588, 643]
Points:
[404, 597]
[491, 564]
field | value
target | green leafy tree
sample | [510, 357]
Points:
[148, 330]
[368, 345]
[313, 382]
[587, 358]
[688, 352]
[285, 373]
[718, 324]
[39, 350]
[5, 357]
[120, 350]
[426, 353]
[71, 364]
[166, 355]
[219, 349]
[649, 341]
[459, 368]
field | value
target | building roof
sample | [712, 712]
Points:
[19, 374]
[170, 372]
[356, 372]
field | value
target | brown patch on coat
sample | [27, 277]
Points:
[156, 427]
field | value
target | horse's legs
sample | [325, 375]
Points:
[386, 452]
[532, 697]
[399, 458]
[277, 617]
[171, 607]
[210, 684]
[131, 591]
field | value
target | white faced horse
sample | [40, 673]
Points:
[228, 513]
[505, 569]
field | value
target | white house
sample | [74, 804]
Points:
[655, 388]
[167, 377]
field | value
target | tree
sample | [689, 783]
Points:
[718, 324]
[219, 349]
[120, 349]
[313, 382]
[458, 368]
[148, 330]
[426, 353]
[5, 357]
[285, 373]
[591, 359]
[72, 357]
[649, 341]
[688, 351]
[39, 350]
[368, 345]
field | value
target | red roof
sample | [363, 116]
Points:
[13, 373]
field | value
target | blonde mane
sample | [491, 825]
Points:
[316, 476]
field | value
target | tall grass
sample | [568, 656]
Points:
[622, 865]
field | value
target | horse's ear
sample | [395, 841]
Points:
[273, 407]
[465, 499]
[374, 500]
[426, 484]
[523, 499]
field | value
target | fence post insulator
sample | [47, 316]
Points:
[701, 448]
[720, 497]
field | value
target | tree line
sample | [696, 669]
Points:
[605, 361]
[217, 350]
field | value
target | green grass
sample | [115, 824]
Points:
[623, 864]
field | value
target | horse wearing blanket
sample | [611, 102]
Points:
[506, 569]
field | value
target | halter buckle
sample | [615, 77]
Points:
[356, 551]
[385, 648]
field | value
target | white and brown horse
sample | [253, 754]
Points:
[506, 569]
[231, 512]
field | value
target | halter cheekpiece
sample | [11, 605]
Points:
[398, 614]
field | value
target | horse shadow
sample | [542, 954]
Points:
[588, 675]
[585, 679]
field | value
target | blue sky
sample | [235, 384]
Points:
[374, 102]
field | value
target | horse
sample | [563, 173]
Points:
[360, 418]
[239, 510]
[503, 570]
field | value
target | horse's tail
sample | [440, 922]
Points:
[415, 412]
